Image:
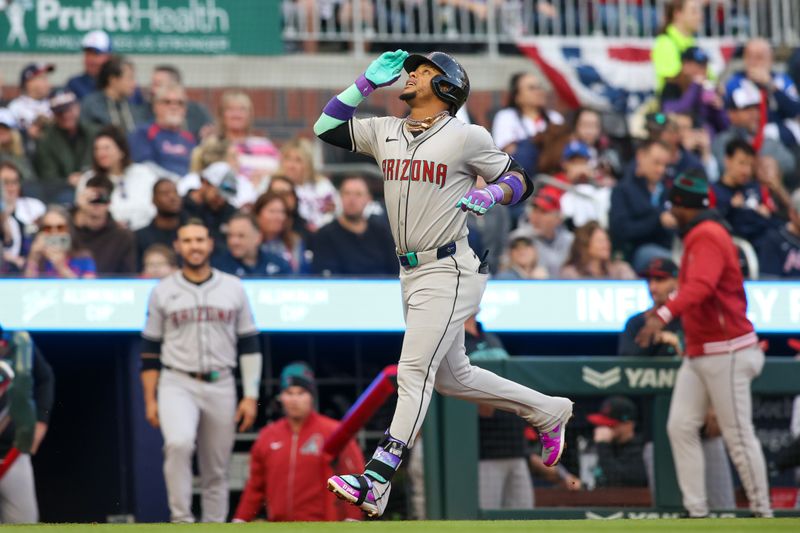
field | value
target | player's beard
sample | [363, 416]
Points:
[196, 266]
[408, 96]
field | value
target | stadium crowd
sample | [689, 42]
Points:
[97, 176]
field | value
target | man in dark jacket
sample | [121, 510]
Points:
[64, 150]
[164, 227]
[741, 200]
[639, 218]
[210, 203]
[662, 280]
[244, 257]
[113, 247]
[620, 459]
[779, 254]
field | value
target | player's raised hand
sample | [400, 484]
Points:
[479, 201]
[386, 70]
[246, 413]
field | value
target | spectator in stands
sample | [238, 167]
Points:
[523, 261]
[164, 227]
[244, 256]
[283, 186]
[198, 119]
[353, 244]
[584, 199]
[692, 93]
[662, 280]
[55, 253]
[741, 200]
[33, 400]
[697, 141]
[292, 448]
[683, 20]
[64, 150]
[665, 129]
[112, 246]
[164, 144]
[158, 261]
[587, 127]
[214, 150]
[317, 195]
[640, 222]
[779, 254]
[525, 116]
[272, 214]
[33, 104]
[96, 51]
[546, 228]
[742, 102]
[22, 214]
[590, 256]
[11, 145]
[620, 451]
[256, 157]
[110, 104]
[131, 201]
[781, 92]
[210, 202]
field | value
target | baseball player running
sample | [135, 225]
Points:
[430, 161]
[198, 320]
[722, 353]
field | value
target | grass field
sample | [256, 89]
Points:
[543, 526]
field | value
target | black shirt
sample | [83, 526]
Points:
[338, 251]
[150, 235]
[621, 465]
[628, 346]
[216, 221]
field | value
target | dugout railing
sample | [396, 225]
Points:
[451, 431]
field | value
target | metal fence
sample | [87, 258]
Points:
[483, 25]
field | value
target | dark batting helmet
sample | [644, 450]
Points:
[452, 86]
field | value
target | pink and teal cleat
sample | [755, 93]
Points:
[554, 440]
[360, 491]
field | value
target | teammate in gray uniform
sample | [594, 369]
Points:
[430, 161]
[198, 320]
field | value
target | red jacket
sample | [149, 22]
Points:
[710, 301]
[288, 474]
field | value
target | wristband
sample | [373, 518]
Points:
[515, 184]
[365, 87]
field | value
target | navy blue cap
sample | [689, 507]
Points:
[695, 55]
[576, 149]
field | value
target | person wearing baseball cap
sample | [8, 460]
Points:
[722, 354]
[779, 254]
[742, 103]
[97, 48]
[64, 149]
[661, 276]
[620, 458]
[12, 147]
[546, 228]
[585, 199]
[292, 447]
[522, 260]
[32, 104]
[211, 200]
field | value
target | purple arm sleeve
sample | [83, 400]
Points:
[339, 110]
[515, 184]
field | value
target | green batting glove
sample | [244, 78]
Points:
[386, 70]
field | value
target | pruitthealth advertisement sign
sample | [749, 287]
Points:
[242, 27]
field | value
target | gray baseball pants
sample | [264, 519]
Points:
[18, 503]
[505, 484]
[192, 411]
[722, 381]
[438, 297]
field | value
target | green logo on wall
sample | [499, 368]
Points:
[246, 27]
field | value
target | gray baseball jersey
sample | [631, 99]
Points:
[198, 325]
[424, 177]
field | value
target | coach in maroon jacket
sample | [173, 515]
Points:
[722, 353]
